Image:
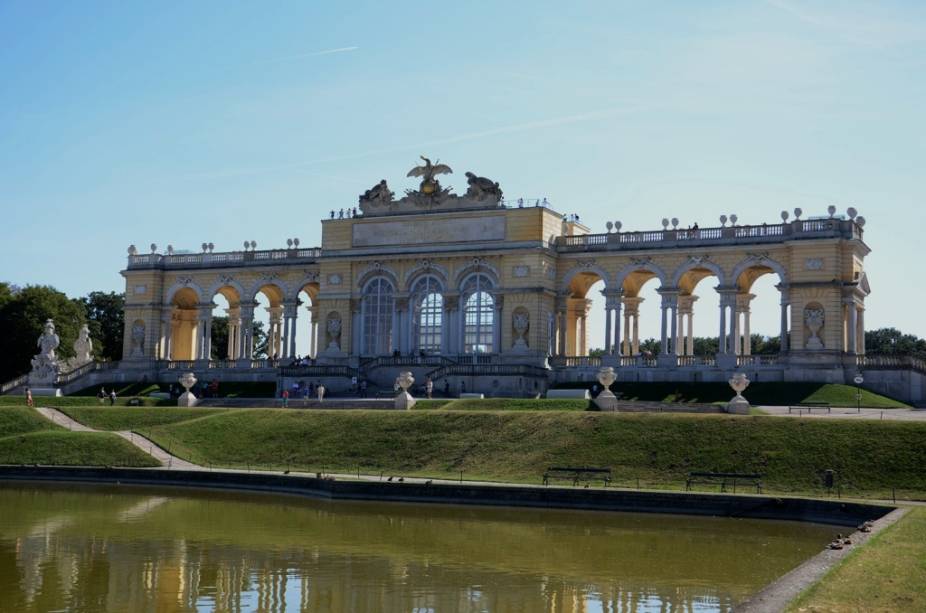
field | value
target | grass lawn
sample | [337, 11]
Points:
[28, 438]
[758, 393]
[870, 457]
[887, 574]
[510, 404]
[108, 418]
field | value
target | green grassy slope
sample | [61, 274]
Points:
[28, 438]
[758, 393]
[870, 456]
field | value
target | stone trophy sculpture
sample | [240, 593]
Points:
[520, 322]
[83, 349]
[606, 400]
[738, 404]
[187, 399]
[404, 400]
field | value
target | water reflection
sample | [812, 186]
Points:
[141, 549]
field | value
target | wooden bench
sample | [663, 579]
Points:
[810, 406]
[576, 474]
[754, 479]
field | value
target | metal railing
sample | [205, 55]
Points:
[765, 233]
[224, 258]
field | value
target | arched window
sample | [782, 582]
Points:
[376, 310]
[428, 315]
[478, 315]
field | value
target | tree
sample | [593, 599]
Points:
[22, 321]
[106, 321]
[892, 341]
[219, 337]
[260, 340]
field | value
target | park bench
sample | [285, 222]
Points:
[754, 479]
[576, 474]
[810, 406]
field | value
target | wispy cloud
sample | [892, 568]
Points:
[552, 122]
[873, 28]
[302, 56]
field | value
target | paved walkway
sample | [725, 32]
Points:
[846, 413]
[146, 445]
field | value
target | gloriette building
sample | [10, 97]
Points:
[491, 295]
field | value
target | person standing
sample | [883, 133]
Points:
[285, 395]
[29, 402]
[112, 397]
[100, 395]
[321, 392]
[429, 387]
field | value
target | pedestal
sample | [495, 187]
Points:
[606, 401]
[404, 401]
[738, 406]
[187, 399]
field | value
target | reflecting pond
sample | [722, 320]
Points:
[105, 548]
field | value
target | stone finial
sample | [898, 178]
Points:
[784, 216]
[674, 222]
[852, 212]
[606, 400]
[289, 243]
[132, 250]
[205, 246]
[831, 210]
[665, 223]
[723, 220]
[211, 247]
[170, 250]
[253, 245]
[246, 245]
[609, 226]
[860, 221]
[617, 226]
[404, 400]
[187, 399]
[798, 212]
[154, 248]
[733, 219]
[296, 242]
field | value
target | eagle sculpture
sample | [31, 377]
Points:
[427, 172]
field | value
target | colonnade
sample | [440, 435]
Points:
[197, 324]
[622, 323]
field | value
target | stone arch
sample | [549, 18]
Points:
[426, 268]
[694, 264]
[584, 269]
[222, 285]
[275, 289]
[184, 285]
[759, 264]
[652, 268]
[309, 283]
[478, 265]
[373, 271]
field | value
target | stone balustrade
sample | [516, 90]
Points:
[724, 235]
[187, 261]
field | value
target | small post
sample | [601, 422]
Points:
[461, 476]
[894, 494]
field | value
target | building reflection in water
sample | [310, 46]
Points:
[144, 550]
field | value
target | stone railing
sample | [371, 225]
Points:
[327, 370]
[665, 239]
[891, 362]
[224, 259]
[11, 385]
[80, 371]
[387, 361]
[488, 370]
[575, 361]
[758, 360]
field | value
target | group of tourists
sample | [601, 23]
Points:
[304, 391]
[102, 396]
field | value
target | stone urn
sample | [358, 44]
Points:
[404, 400]
[187, 399]
[739, 405]
[606, 400]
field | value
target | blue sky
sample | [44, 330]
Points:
[183, 123]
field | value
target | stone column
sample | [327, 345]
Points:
[246, 333]
[313, 331]
[852, 327]
[669, 323]
[861, 330]
[722, 338]
[448, 335]
[291, 312]
[616, 344]
[168, 345]
[204, 332]
[608, 312]
[274, 344]
[497, 324]
[234, 325]
[744, 346]
[164, 345]
[783, 333]
[561, 306]
[690, 350]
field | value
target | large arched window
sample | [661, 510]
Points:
[478, 315]
[427, 315]
[376, 310]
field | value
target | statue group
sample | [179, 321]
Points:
[480, 193]
[45, 365]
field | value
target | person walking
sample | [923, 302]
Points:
[429, 387]
[285, 396]
[321, 392]
[112, 397]
[29, 402]
[100, 395]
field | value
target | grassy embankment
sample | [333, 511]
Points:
[871, 457]
[28, 438]
[887, 574]
[759, 393]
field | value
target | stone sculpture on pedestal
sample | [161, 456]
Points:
[738, 404]
[187, 399]
[83, 349]
[404, 400]
[45, 365]
[606, 400]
